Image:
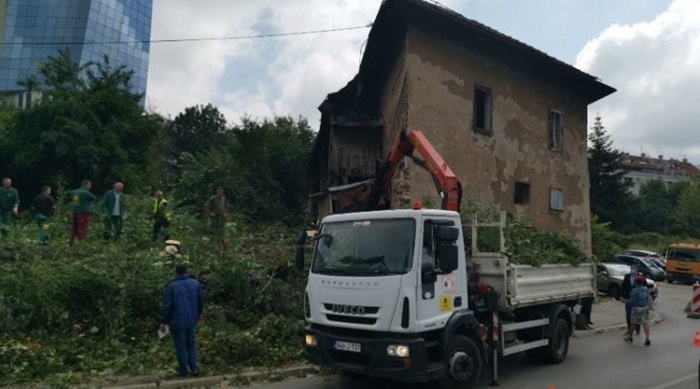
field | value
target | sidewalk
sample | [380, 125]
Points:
[607, 315]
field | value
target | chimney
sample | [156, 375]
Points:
[661, 157]
[685, 160]
[644, 155]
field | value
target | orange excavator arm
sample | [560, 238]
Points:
[445, 181]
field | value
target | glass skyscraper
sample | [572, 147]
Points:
[33, 30]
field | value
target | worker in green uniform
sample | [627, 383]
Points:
[161, 216]
[9, 204]
[113, 205]
[216, 208]
[82, 200]
[44, 207]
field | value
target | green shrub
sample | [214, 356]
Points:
[96, 305]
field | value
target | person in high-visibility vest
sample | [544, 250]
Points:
[161, 216]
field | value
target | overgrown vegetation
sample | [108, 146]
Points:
[93, 308]
[523, 243]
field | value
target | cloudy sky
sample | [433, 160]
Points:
[649, 50]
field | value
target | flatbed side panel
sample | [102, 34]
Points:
[524, 285]
[549, 283]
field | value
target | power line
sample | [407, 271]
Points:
[224, 38]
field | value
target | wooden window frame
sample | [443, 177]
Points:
[486, 110]
[555, 130]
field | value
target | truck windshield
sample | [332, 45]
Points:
[684, 254]
[365, 247]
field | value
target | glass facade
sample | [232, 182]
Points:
[33, 30]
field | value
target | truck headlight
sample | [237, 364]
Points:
[398, 350]
[310, 340]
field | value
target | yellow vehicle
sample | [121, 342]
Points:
[683, 262]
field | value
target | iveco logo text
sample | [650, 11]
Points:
[356, 284]
[349, 309]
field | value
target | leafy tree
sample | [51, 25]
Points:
[197, 129]
[608, 191]
[7, 118]
[87, 124]
[688, 210]
[655, 207]
[603, 240]
[263, 165]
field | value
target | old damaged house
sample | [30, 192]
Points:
[509, 120]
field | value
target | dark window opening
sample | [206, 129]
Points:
[522, 193]
[482, 110]
[556, 130]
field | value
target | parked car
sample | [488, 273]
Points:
[655, 257]
[646, 266]
[610, 276]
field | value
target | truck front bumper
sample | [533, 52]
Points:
[372, 358]
[683, 277]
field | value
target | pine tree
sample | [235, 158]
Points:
[607, 187]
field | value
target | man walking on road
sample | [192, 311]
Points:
[9, 204]
[82, 200]
[113, 204]
[161, 218]
[640, 303]
[44, 207]
[182, 309]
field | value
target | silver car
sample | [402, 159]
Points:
[610, 276]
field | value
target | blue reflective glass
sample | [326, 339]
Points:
[69, 23]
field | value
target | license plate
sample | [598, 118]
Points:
[347, 346]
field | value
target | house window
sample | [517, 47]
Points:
[481, 122]
[556, 199]
[556, 130]
[522, 193]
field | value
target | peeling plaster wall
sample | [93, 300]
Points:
[441, 75]
[395, 111]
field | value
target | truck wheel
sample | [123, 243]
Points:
[559, 343]
[669, 280]
[555, 352]
[462, 364]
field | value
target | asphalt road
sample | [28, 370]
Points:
[600, 361]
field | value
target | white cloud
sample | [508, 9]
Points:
[285, 75]
[655, 66]
[294, 77]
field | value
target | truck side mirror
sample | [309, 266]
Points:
[299, 258]
[447, 256]
[445, 233]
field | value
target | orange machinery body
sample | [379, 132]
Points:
[406, 145]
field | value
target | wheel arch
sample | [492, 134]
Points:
[560, 311]
[464, 323]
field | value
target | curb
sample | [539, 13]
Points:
[219, 380]
[657, 318]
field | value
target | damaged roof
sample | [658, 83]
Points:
[356, 104]
[353, 103]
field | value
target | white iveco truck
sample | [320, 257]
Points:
[395, 294]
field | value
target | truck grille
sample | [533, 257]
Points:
[355, 314]
[366, 310]
[352, 319]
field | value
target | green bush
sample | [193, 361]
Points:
[524, 244]
[96, 305]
